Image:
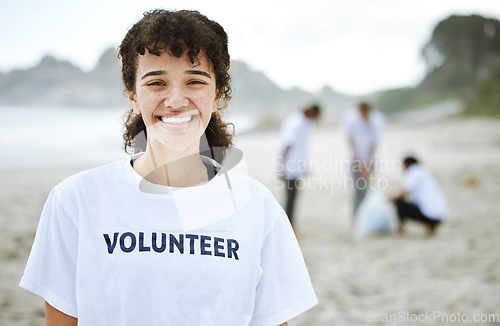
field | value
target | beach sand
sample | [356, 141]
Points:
[456, 272]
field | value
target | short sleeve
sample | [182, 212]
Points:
[51, 268]
[284, 290]
[410, 180]
[346, 123]
[290, 130]
[380, 125]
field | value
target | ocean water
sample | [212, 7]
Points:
[49, 137]
[32, 137]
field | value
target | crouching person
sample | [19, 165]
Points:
[421, 199]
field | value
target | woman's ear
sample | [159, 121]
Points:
[132, 99]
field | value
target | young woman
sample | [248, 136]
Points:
[169, 236]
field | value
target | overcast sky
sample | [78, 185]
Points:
[355, 46]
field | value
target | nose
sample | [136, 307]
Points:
[176, 98]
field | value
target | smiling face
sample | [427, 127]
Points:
[175, 97]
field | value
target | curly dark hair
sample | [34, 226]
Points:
[177, 32]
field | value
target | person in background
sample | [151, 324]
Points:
[295, 134]
[421, 199]
[363, 128]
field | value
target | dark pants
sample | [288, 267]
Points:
[408, 210]
[291, 194]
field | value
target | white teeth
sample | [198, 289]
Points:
[176, 120]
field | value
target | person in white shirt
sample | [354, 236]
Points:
[421, 199]
[169, 236]
[295, 134]
[363, 128]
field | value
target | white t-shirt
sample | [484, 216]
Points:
[363, 133]
[114, 249]
[295, 132]
[423, 190]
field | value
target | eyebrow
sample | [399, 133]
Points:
[154, 73]
[198, 72]
[163, 72]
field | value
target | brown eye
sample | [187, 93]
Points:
[197, 82]
[156, 83]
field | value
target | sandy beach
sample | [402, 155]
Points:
[455, 274]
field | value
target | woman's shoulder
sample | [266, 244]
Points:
[99, 175]
[243, 179]
[255, 192]
[230, 176]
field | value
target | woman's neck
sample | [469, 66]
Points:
[169, 167]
